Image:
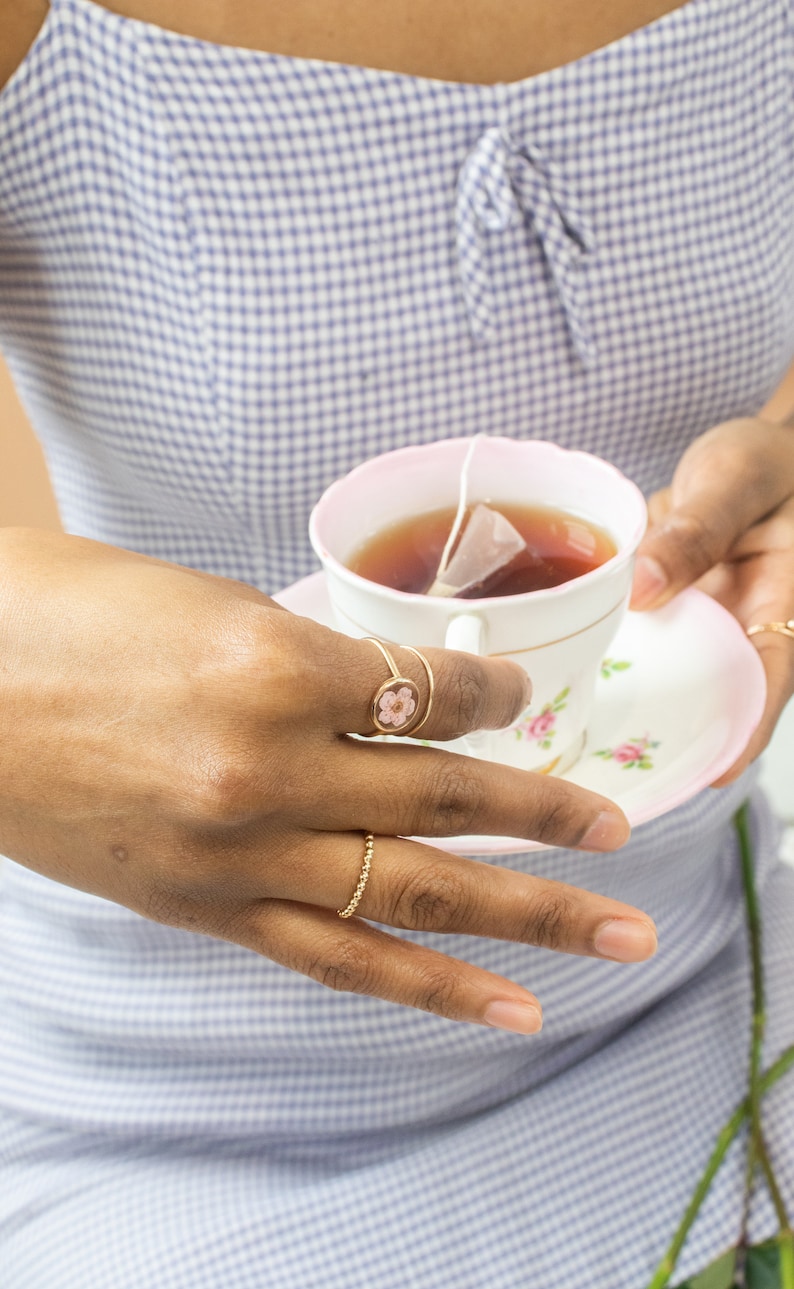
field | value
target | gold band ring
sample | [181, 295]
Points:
[780, 628]
[369, 846]
[395, 704]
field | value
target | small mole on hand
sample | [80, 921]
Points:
[120, 853]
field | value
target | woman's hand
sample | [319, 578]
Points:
[179, 744]
[726, 523]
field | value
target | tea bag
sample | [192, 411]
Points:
[489, 543]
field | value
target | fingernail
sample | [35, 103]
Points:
[650, 580]
[625, 940]
[607, 833]
[527, 690]
[519, 1018]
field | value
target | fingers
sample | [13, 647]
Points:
[726, 482]
[415, 887]
[471, 693]
[426, 792]
[418, 888]
[756, 586]
[354, 957]
[777, 655]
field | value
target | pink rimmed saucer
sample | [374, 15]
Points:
[676, 703]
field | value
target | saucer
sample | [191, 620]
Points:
[676, 703]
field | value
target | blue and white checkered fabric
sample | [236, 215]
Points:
[226, 277]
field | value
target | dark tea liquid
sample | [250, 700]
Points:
[560, 547]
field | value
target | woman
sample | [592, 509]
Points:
[239, 253]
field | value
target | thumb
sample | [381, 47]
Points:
[679, 550]
[717, 493]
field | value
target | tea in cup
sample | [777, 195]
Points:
[554, 608]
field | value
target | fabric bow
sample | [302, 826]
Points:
[501, 183]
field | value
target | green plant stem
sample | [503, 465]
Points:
[725, 1139]
[757, 1152]
[756, 1148]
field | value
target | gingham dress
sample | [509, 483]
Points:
[226, 277]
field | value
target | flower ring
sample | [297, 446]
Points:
[394, 708]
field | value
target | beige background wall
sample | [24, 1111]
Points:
[25, 496]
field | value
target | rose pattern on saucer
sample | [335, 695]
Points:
[541, 727]
[631, 755]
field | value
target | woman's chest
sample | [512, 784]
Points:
[246, 273]
[479, 41]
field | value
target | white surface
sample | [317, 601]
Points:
[778, 776]
[778, 766]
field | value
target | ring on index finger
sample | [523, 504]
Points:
[395, 706]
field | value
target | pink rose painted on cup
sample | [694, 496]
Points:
[631, 755]
[628, 752]
[542, 728]
[542, 724]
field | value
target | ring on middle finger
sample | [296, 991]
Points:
[395, 707]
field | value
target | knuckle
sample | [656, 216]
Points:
[432, 900]
[454, 801]
[438, 993]
[700, 546]
[248, 665]
[548, 922]
[226, 789]
[170, 907]
[468, 695]
[348, 968]
[560, 822]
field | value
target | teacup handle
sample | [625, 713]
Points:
[466, 633]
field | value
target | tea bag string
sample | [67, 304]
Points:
[488, 543]
[460, 514]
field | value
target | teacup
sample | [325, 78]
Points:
[560, 635]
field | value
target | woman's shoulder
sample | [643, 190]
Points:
[20, 21]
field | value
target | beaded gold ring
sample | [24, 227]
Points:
[369, 847]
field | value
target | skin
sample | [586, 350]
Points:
[167, 738]
[469, 40]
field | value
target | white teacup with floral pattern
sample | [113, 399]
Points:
[559, 635]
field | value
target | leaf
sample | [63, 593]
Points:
[763, 1266]
[621, 666]
[718, 1276]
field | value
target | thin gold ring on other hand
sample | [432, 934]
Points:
[779, 628]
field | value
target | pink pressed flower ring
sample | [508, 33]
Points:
[395, 703]
[396, 708]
